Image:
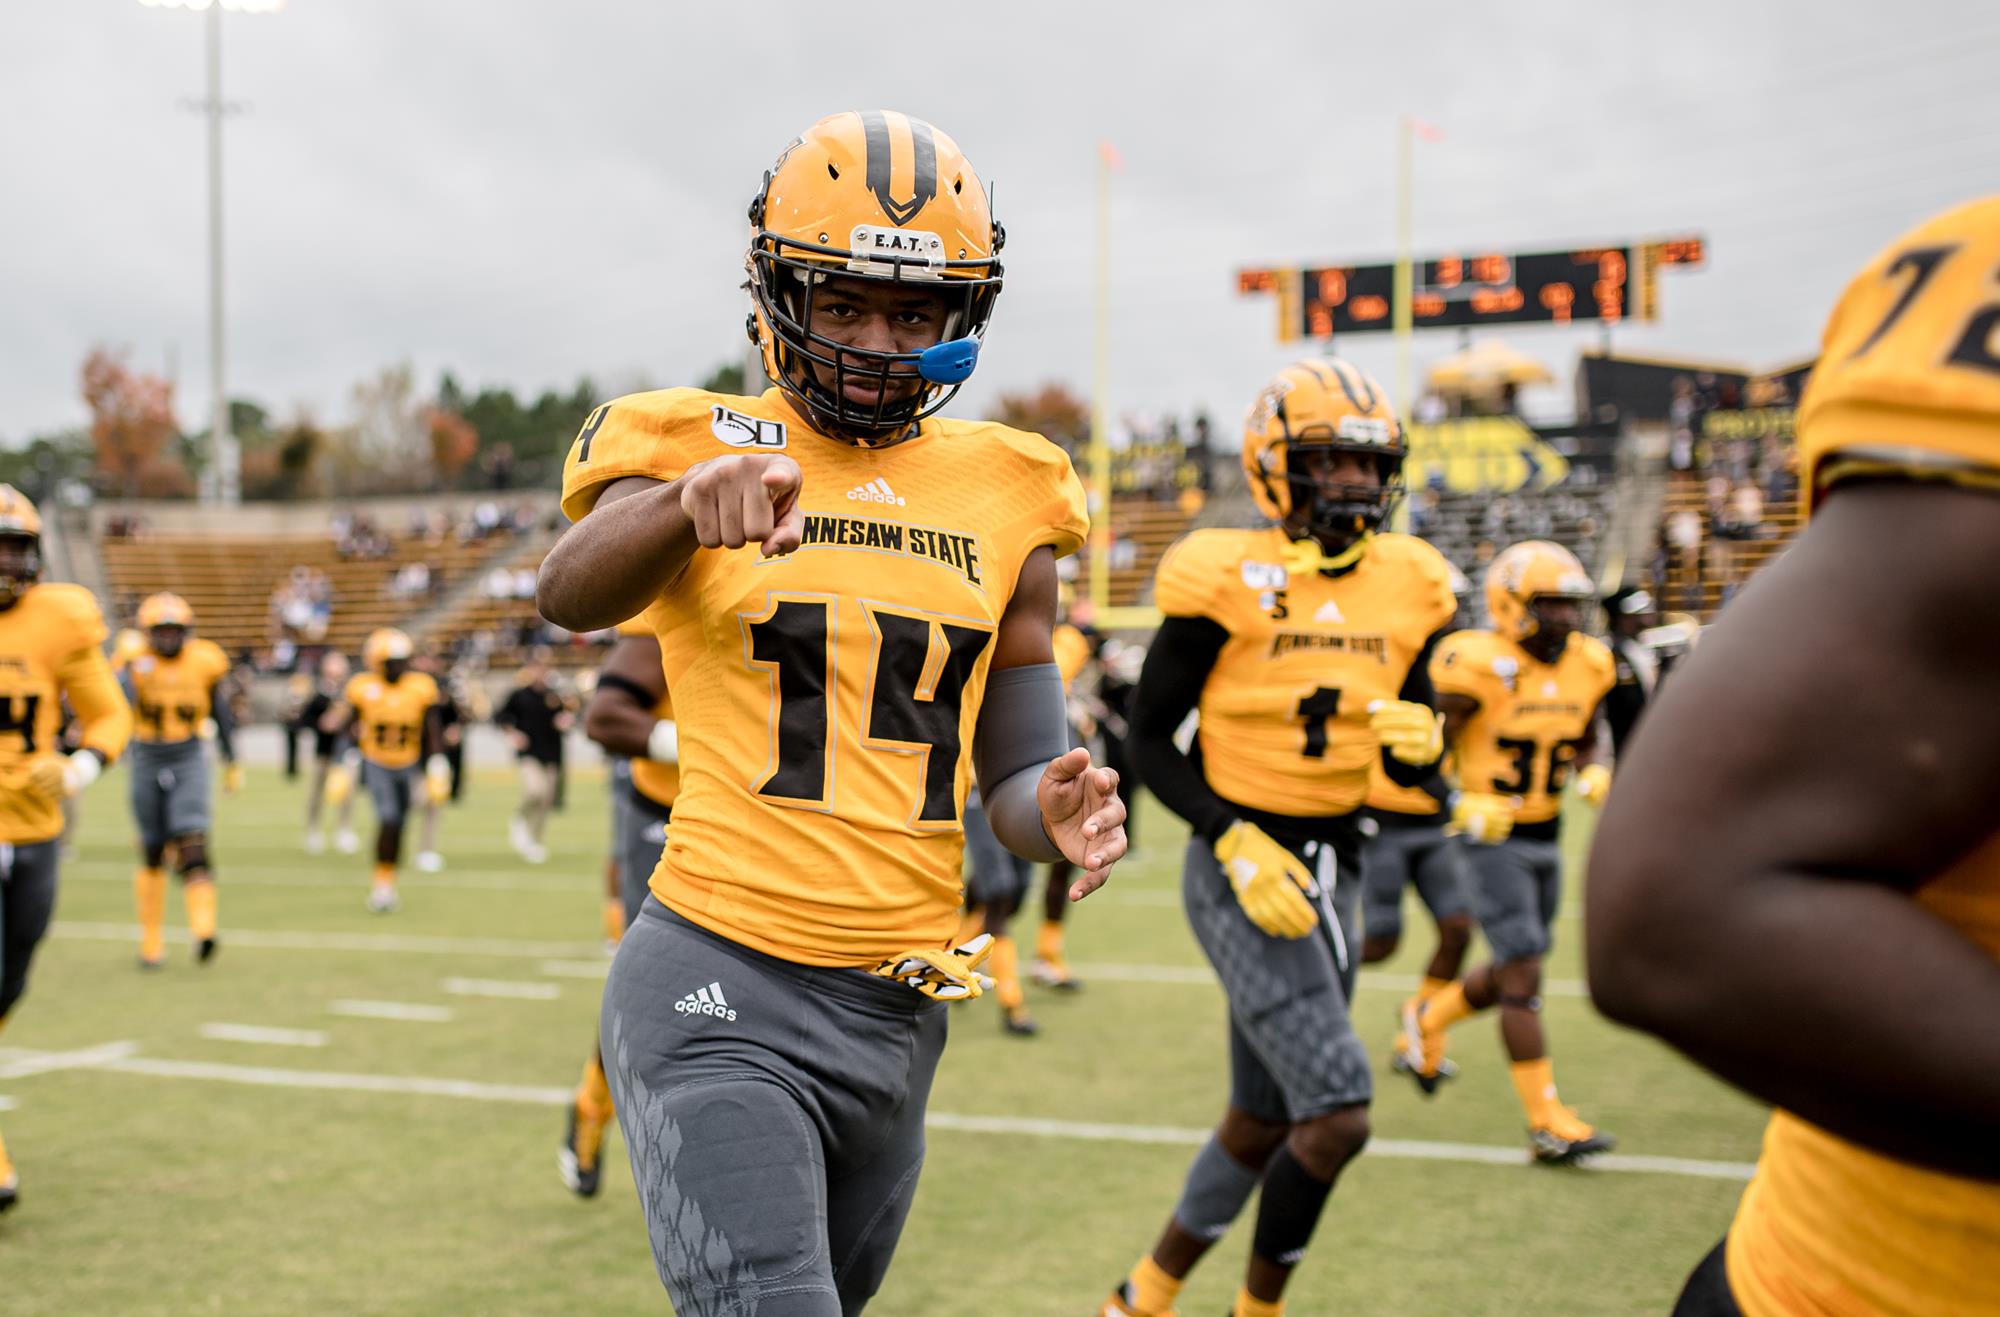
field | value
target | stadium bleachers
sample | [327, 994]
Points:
[1702, 581]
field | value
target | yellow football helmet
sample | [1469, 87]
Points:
[1525, 572]
[165, 609]
[1323, 404]
[870, 194]
[19, 521]
[385, 646]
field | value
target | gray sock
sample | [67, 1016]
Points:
[1217, 1187]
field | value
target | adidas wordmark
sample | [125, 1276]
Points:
[877, 491]
[706, 1001]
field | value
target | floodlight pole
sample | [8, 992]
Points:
[223, 483]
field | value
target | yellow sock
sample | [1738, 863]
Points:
[1447, 1008]
[200, 900]
[1049, 943]
[1153, 1290]
[1005, 967]
[149, 893]
[593, 1095]
[970, 925]
[385, 873]
[614, 919]
[1535, 1082]
[1431, 987]
[1248, 1305]
[6, 1167]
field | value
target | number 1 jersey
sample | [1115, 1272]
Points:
[827, 698]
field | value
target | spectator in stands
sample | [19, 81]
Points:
[1739, 521]
[1680, 428]
[1680, 534]
[524, 583]
[499, 584]
[412, 579]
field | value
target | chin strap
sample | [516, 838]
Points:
[1305, 556]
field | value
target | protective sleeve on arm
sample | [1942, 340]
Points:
[225, 722]
[1417, 689]
[1023, 724]
[85, 678]
[1177, 667]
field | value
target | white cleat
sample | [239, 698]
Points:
[382, 898]
[535, 853]
[346, 842]
[430, 862]
[517, 836]
[315, 842]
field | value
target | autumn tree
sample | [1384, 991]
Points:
[453, 443]
[131, 425]
[1051, 410]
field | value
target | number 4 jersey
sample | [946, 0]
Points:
[826, 698]
[1284, 713]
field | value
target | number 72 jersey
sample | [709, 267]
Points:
[827, 698]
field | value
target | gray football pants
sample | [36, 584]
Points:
[640, 826]
[168, 791]
[27, 900]
[773, 1114]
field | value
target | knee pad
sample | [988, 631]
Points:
[1217, 1187]
[191, 854]
[156, 856]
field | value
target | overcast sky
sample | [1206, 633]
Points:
[524, 193]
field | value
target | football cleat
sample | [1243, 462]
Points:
[1119, 1304]
[1418, 1053]
[315, 842]
[1054, 973]
[1565, 1139]
[346, 841]
[430, 862]
[204, 950]
[10, 1189]
[152, 963]
[518, 836]
[577, 1159]
[1016, 1021]
[382, 898]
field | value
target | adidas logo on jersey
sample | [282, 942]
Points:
[877, 491]
[706, 1001]
[1328, 612]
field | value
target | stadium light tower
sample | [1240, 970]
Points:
[224, 481]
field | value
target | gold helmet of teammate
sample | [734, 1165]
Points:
[870, 194]
[1525, 572]
[20, 545]
[385, 646]
[165, 609]
[1322, 405]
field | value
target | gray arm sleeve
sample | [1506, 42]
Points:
[1023, 723]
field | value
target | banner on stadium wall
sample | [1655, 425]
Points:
[1750, 423]
[1474, 454]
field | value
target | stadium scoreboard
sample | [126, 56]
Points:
[1608, 284]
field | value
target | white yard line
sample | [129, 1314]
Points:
[577, 969]
[18, 1065]
[502, 988]
[7, 1103]
[111, 1058]
[257, 1033]
[435, 882]
[392, 1010]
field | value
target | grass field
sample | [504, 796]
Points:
[407, 1165]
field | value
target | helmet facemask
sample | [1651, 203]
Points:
[1339, 516]
[787, 278]
[20, 566]
[167, 640]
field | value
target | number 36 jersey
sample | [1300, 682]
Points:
[1284, 713]
[1531, 714]
[827, 698]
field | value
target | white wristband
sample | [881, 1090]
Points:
[80, 770]
[437, 766]
[663, 743]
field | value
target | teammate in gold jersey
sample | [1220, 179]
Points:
[173, 685]
[1521, 706]
[51, 650]
[631, 715]
[1303, 648]
[389, 713]
[853, 599]
[1797, 881]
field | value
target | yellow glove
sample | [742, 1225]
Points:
[1593, 783]
[339, 784]
[1271, 883]
[1482, 817]
[946, 975]
[437, 780]
[232, 778]
[45, 777]
[1411, 733]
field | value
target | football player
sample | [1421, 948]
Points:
[535, 721]
[1303, 646]
[854, 605]
[1521, 705]
[1798, 880]
[174, 687]
[320, 715]
[51, 639]
[631, 715]
[1409, 845]
[1075, 643]
[389, 713]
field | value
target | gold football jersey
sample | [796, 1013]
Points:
[658, 782]
[1284, 713]
[1531, 714]
[389, 716]
[172, 695]
[1908, 378]
[827, 698]
[1072, 650]
[50, 649]
[1908, 384]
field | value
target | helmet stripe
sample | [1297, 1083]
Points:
[881, 165]
[1355, 387]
